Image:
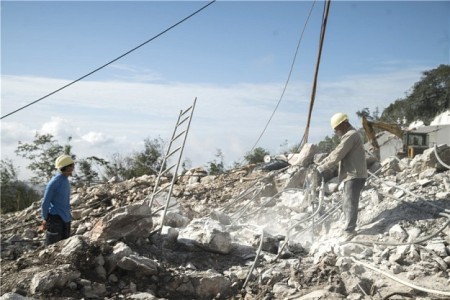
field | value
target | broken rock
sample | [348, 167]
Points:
[57, 278]
[208, 234]
[130, 222]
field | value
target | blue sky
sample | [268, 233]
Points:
[234, 56]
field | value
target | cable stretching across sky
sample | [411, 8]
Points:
[287, 80]
[110, 62]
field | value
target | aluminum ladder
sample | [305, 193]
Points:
[173, 148]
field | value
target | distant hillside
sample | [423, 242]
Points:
[429, 97]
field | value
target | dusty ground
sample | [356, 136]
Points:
[176, 259]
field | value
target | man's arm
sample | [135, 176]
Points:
[338, 153]
[48, 195]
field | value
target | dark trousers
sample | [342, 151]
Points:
[57, 229]
[351, 194]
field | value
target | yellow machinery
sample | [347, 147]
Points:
[413, 142]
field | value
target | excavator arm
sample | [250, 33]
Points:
[413, 142]
[371, 136]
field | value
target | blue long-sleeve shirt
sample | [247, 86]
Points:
[57, 198]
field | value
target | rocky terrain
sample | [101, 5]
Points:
[257, 232]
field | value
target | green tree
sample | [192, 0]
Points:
[429, 97]
[216, 166]
[86, 173]
[328, 144]
[42, 153]
[146, 162]
[256, 156]
[294, 149]
[370, 116]
[15, 195]
[395, 112]
[8, 171]
[118, 166]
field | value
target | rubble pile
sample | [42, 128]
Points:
[247, 234]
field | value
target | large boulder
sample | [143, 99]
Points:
[56, 278]
[130, 223]
[208, 234]
[305, 157]
[429, 160]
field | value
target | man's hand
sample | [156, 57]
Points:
[43, 226]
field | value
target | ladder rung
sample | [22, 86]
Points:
[184, 120]
[184, 112]
[167, 170]
[170, 154]
[180, 134]
[160, 190]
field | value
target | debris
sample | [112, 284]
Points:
[246, 225]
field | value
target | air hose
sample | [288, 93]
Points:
[444, 293]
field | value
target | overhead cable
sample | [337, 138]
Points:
[288, 78]
[112, 61]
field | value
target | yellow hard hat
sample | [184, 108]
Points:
[62, 161]
[337, 119]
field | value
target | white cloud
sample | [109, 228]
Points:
[14, 132]
[105, 117]
[60, 128]
[96, 138]
[135, 73]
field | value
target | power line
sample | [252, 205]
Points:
[108, 63]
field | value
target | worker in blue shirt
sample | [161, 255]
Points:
[55, 208]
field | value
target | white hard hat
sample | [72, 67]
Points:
[337, 119]
[63, 161]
